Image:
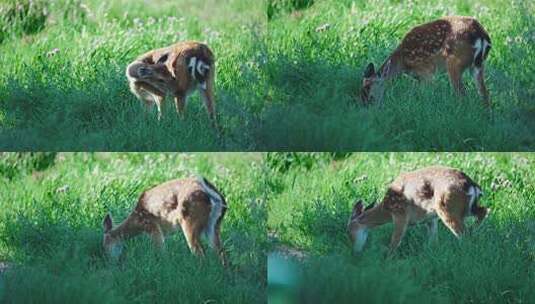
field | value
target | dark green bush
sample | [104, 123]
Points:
[285, 6]
[283, 161]
[14, 164]
[22, 17]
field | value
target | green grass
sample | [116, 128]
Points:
[308, 210]
[281, 85]
[51, 210]
[315, 77]
[78, 99]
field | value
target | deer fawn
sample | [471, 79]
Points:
[418, 196]
[192, 204]
[454, 43]
[176, 70]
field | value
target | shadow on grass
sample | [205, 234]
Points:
[309, 105]
[101, 114]
[492, 265]
[58, 264]
[319, 109]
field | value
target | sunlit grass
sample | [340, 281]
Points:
[282, 84]
[51, 230]
[317, 57]
[309, 210]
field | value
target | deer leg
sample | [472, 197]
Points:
[180, 105]
[480, 213]
[148, 94]
[208, 98]
[142, 95]
[401, 221]
[158, 100]
[192, 234]
[432, 227]
[206, 90]
[454, 222]
[479, 77]
[216, 244]
[455, 73]
[450, 209]
[157, 236]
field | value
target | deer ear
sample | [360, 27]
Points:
[370, 206]
[357, 209]
[370, 71]
[107, 223]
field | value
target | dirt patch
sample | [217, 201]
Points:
[284, 250]
[289, 252]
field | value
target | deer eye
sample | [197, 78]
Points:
[163, 58]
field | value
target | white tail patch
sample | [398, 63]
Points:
[474, 193]
[215, 211]
[478, 46]
[486, 46]
[192, 65]
[197, 65]
[481, 46]
[201, 67]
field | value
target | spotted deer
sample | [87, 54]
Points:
[176, 70]
[424, 195]
[454, 43]
[192, 204]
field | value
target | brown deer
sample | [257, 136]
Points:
[454, 43]
[176, 70]
[420, 196]
[192, 204]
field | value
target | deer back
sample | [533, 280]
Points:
[172, 202]
[419, 192]
[431, 43]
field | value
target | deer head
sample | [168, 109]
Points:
[455, 43]
[156, 75]
[112, 244]
[358, 225]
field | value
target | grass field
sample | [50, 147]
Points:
[51, 211]
[78, 99]
[281, 83]
[317, 56]
[310, 197]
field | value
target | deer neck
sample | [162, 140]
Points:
[376, 216]
[127, 229]
[391, 68]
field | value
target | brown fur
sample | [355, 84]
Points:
[163, 209]
[416, 196]
[447, 43]
[168, 73]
